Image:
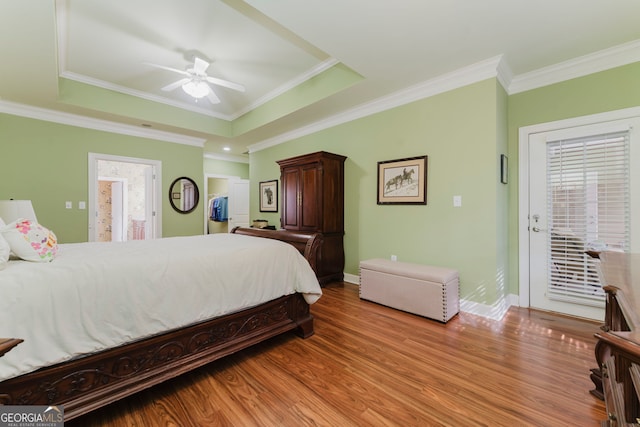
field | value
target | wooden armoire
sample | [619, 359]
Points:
[313, 201]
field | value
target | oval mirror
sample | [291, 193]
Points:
[184, 195]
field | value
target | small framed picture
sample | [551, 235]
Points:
[269, 196]
[175, 195]
[403, 181]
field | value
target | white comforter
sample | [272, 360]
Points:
[94, 296]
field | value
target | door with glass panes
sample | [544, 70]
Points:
[579, 199]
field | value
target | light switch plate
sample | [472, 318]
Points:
[68, 205]
[457, 201]
[82, 205]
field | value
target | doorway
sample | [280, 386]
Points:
[123, 198]
[233, 192]
[575, 181]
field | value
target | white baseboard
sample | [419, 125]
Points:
[352, 278]
[495, 311]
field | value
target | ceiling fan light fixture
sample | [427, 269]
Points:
[196, 88]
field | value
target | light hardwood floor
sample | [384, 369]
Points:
[369, 365]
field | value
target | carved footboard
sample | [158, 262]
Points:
[88, 383]
[93, 381]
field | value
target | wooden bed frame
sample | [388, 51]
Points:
[87, 383]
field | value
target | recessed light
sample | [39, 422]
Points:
[226, 148]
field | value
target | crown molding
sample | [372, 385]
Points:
[38, 113]
[227, 157]
[498, 67]
[462, 77]
[140, 94]
[318, 69]
[606, 59]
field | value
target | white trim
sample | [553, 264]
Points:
[93, 189]
[495, 311]
[321, 67]
[524, 134]
[309, 74]
[462, 77]
[352, 278]
[23, 110]
[498, 67]
[205, 194]
[226, 157]
[606, 59]
[61, 32]
[144, 95]
[61, 27]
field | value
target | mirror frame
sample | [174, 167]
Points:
[196, 195]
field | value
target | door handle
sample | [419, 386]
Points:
[537, 230]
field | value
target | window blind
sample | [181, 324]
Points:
[588, 208]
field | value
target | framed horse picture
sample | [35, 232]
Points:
[269, 196]
[403, 181]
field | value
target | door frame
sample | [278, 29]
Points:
[155, 190]
[205, 193]
[524, 134]
[121, 207]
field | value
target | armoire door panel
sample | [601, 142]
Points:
[290, 188]
[309, 207]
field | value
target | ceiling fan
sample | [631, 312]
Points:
[196, 83]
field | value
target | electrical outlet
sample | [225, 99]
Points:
[394, 258]
[457, 201]
[68, 205]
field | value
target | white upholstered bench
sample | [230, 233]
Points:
[419, 289]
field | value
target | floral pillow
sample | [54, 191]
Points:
[30, 241]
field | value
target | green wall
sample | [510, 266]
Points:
[48, 164]
[609, 90]
[459, 132]
[463, 132]
[224, 167]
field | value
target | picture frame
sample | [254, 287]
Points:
[504, 169]
[403, 181]
[269, 196]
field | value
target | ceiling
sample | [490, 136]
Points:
[304, 64]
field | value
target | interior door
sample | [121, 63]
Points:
[140, 216]
[118, 211]
[238, 203]
[576, 203]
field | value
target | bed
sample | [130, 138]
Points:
[88, 380]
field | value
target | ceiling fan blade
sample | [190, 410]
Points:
[200, 66]
[175, 70]
[175, 85]
[226, 83]
[213, 98]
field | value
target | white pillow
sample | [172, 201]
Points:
[5, 250]
[30, 241]
[2, 224]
